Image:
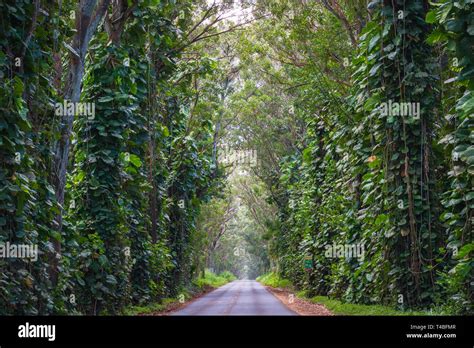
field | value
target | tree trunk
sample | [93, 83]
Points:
[88, 16]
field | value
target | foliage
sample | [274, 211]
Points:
[139, 170]
[273, 280]
[340, 308]
[214, 280]
[352, 174]
[455, 25]
[27, 202]
[149, 204]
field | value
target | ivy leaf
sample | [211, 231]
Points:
[454, 25]
[166, 132]
[105, 99]
[465, 250]
[436, 36]
[431, 17]
[111, 279]
[135, 160]
[18, 86]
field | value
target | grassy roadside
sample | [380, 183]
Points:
[201, 285]
[336, 306]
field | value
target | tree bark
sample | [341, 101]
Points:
[88, 16]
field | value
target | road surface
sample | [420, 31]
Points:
[240, 297]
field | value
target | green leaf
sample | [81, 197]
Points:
[18, 86]
[435, 37]
[454, 25]
[135, 160]
[431, 17]
[111, 279]
[105, 99]
[465, 250]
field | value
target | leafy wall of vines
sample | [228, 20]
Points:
[140, 166]
[401, 185]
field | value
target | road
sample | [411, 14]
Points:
[240, 297]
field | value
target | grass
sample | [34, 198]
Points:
[336, 306]
[273, 280]
[151, 308]
[214, 280]
[341, 308]
[210, 280]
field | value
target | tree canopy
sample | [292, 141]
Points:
[143, 141]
